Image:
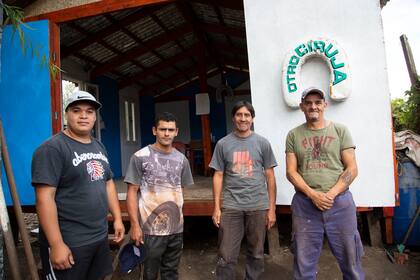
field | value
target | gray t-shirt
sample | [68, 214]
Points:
[79, 172]
[243, 161]
[160, 177]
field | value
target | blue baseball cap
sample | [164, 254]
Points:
[131, 256]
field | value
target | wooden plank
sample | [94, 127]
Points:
[409, 60]
[231, 4]
[215, 28]
[55, 82]
[93, 9]
[198, 208]
[205, 119]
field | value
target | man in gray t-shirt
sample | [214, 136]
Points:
[155, 176]
[244, 169]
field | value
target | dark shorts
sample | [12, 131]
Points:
[92, 262]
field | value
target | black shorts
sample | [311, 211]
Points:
[92, 262]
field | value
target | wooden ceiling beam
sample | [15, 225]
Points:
[230, 48]
[93, 9]
[175, 39]
[182, 87]
[231, 4]
[215, 28]
[170, 80]
[159, 66]
[189, 15]
[139, 51]
[106, 45]
[66, 51]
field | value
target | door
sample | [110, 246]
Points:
[25, 102]
[129, 125]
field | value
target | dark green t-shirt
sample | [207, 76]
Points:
[318, 153]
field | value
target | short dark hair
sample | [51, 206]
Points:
[166, 117]
[243, 103]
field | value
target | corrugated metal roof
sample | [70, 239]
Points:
[162, 42]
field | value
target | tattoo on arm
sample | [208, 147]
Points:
[346, 177]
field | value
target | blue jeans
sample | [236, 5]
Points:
[339, 224]
[163, 255]
[233, 225]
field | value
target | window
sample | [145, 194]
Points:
[130, 121]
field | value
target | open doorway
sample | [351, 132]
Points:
[147, 56]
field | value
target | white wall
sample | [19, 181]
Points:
[275, 27]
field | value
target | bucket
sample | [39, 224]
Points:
[409, 189]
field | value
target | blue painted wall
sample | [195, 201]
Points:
[25, 104]
[110, 113]
[217, 112]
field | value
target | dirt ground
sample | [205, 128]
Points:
[200, 254]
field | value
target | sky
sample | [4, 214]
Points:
[401, 17]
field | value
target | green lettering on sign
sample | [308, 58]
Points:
[294, 60]
[335, 66]
[319, 45]
[329, 55]
[339, 77]
[299, 52]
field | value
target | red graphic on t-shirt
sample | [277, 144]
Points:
[242, 163]
[95, 170]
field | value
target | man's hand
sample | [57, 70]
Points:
[119, 231]
[216, 217]
[271, 218]
[321, 200]
[61, 256]
[136, 234]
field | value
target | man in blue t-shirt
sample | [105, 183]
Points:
[244, 169]
[74, 192]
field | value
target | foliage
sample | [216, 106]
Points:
[14, 17]
[406, 112]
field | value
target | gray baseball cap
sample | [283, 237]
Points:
[312, 90]
[79, 96]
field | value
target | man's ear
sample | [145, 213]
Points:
[154, 131]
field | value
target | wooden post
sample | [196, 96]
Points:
[205, 119]
[409, 60]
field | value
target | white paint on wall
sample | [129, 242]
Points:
[273, 27]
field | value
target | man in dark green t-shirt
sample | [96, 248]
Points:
[321, 165]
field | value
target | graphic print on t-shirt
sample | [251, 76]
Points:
[242, 163]
[161, 200]
[96, 170]
[315, 156]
